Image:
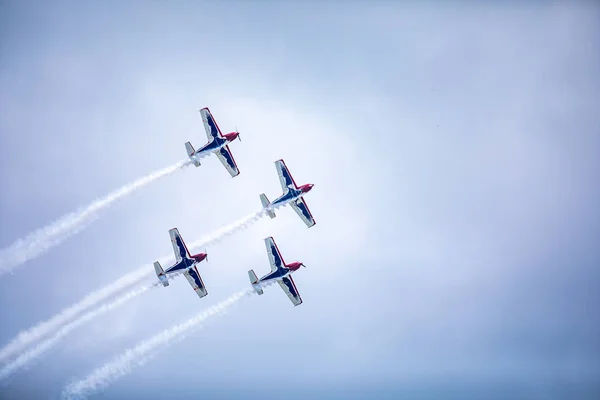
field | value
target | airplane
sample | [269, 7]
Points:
[292, 194]
[217, 143]
[183, 262]
[280, 272]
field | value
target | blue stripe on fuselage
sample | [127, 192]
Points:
[291, 194]
[278, 273]
[213, 145]
[185, 263]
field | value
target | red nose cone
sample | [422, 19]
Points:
[200, 257]
[294, 266]
[232, 136]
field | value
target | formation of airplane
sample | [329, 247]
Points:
[185, 262]
[217, 143]
[280, 272]
[292, 194]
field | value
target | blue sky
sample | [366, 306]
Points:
[454, 152]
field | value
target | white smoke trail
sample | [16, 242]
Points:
[43, 239]
[25, 338]
[123, 364]
[221, 233]
[25, 359]
[37, 332]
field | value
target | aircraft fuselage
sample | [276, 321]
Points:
[292, 194]
[277, 274]
[215, 145]
[185, 263]
[281, 273]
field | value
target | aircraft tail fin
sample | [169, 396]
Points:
[190, 152]
[266, 203]
[160, 273]
[254, 282]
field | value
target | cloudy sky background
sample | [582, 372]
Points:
[454, 152]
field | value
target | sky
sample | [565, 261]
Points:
[454, 151]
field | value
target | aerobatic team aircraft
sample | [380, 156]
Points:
[280, 271]
[217, 143]
[292, 194]
[183, 262]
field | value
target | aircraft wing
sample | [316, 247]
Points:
[289, 287]
[224, 155]
[193, 277]
[285, 178]
[210, 126]
[179, 247]
[274, 255]
[303, 212]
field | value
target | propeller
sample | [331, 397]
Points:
[238, 134]
[206, 258]
[303, 265]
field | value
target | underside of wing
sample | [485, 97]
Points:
[178, 245]
[224, 155]
[303, 212]
[210, 126]
[274, 256]
[193, 277]
[289, 287]
[285, 178]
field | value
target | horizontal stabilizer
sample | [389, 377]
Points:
[190, 152]
[254, 282]
[266, 203]
[161, 274]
